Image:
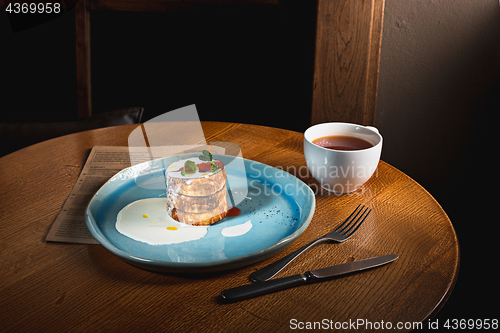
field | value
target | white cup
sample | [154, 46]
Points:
[342, 171]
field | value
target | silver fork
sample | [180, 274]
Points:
[339, 235]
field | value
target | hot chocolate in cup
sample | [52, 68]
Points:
[342, 156]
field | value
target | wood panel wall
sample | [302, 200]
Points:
[348, 39]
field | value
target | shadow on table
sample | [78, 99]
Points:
[116, 268]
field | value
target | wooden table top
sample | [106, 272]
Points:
[76, 287]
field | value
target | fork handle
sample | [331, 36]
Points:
[271, 270]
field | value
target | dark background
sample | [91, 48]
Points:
[253, 65]
[236, 63]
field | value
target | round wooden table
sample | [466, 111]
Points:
[76, 287]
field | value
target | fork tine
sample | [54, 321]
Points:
[358, 223]
[347, 220]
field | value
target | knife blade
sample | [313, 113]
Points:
[265, 287]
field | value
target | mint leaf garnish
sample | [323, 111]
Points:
[214, 167]
[207, 156]
[189, 168]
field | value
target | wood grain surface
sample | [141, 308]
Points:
[85, 288]
[347, 56]
[82, 57]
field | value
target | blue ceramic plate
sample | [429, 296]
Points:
[277, 205]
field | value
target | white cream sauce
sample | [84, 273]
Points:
[147, 221]
[237, 230]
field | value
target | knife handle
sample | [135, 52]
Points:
[271, 270]
[262, 288]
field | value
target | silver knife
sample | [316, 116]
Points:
[269, 286]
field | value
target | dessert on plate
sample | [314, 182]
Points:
[196, 190]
